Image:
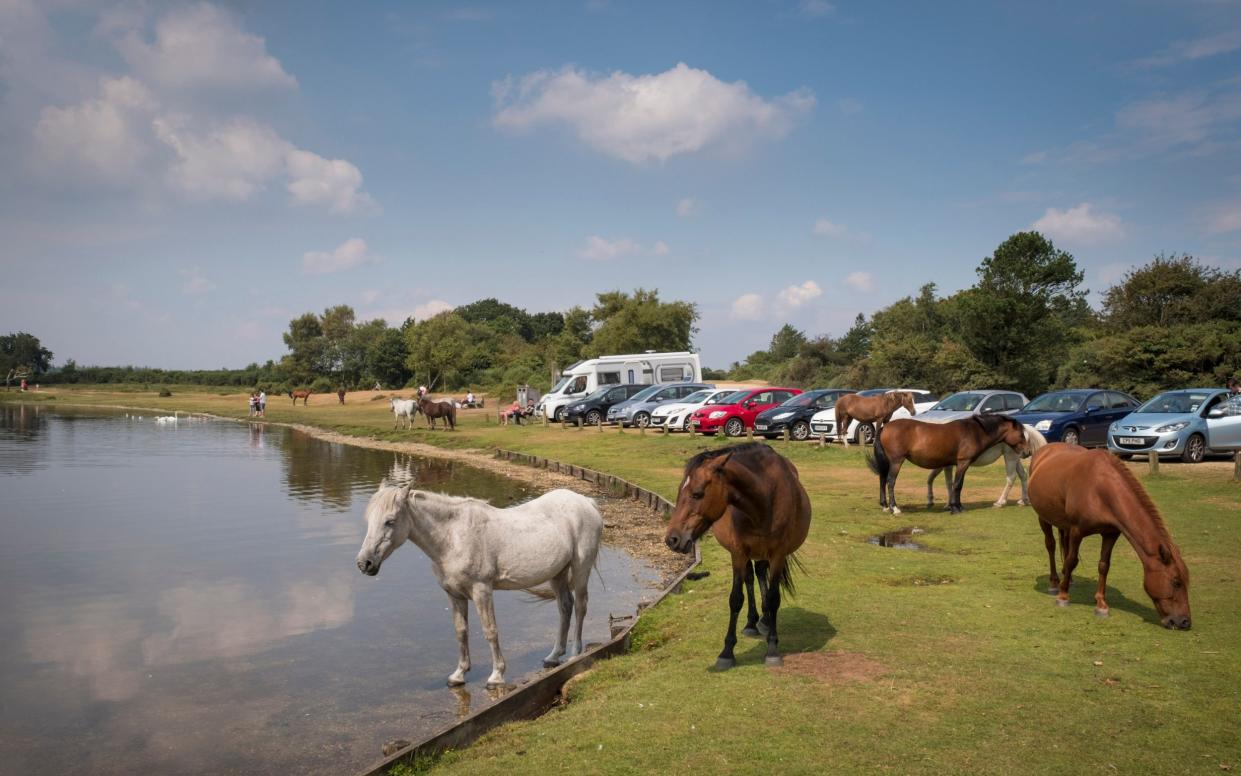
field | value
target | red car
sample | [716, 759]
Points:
[735, 413]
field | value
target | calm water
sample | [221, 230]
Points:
[184, 600]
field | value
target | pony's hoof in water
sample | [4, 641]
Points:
[455, 681]
[495, 683]
[1102, 612]
[773, 661]
[1062, 602]
[751, 631]
[724, 663]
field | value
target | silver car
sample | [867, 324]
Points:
[637, 411]
[966, 404]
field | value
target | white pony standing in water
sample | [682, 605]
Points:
[476, 548]
[1012, 466]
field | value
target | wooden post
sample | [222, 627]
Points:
[665, 429]
[787, 437]
[599, 423]
[620, 427]
[1152, 458]
[642, 430]
[545, 423]
[822, 440]
[1236, 467]
[749, 434]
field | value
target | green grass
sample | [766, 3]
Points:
[979, 671]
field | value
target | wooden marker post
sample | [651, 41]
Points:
[1153, 460]
[1236, 467]
[787, 437]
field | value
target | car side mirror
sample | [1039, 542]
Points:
[750, 404]
[1093, 407]
[1217, 412]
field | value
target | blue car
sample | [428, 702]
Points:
[1078, 416]
[1187, 423]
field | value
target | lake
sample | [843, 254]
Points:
[183, 599]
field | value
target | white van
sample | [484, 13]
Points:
[584, 377]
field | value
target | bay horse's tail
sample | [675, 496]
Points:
[878, 460]
[791, 562]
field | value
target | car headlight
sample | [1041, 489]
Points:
[782, 416]
[1177, 426]
[1043, 425]
[717, 415]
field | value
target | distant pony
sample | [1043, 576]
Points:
[300, 393]
[340, 394]
[438, 409]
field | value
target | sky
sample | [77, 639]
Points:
[179, 180]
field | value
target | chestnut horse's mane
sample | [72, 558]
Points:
[706, 455]
[1142, 496]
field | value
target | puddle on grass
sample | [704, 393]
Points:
[900, 539]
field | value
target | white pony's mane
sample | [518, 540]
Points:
[1034, 438]
[388, 497]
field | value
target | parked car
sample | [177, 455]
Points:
[1188, 423]
[637, 411]
[735, 413]
[595, 406]
[676, 414]
[795, 414]
[967, 403]
[1078, 416]
[864, 433]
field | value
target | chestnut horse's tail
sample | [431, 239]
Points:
[878, 461]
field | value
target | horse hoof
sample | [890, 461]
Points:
[773, 661]
[896, 510]
[455, 682]
[494, 683]
[1062, 602]
[724, 663]
[549, 663]
[1053, 589]
[1101, 612]
[752, 632]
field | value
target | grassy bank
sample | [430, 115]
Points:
[949, 660]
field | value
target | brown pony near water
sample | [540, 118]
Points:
[876, 410]
[300, 393]
[1084, 492]
[939, 445]
[755, 493]
[438, 409]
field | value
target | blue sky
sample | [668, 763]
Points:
[178, 180]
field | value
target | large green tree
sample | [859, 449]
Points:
[22, 354]
[633, 323]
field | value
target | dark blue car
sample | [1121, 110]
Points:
[1077, 417]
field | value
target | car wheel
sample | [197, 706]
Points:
[593, 417]
[801, 431]
[1195, 449]
[1071, 437]
[558, 415]
[642, 419]
[866, 433]
[734, 427]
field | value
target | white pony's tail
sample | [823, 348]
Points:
[540, 593]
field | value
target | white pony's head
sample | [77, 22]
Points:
[1034, 439]
[388, 523]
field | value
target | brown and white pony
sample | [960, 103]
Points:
[1084, 492]
[869, 409]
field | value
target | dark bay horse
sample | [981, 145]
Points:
[438, 409]
[340, 394]
[1084, 492]
[300, 393]
[936, 446]
[757, 494]
[869, 409]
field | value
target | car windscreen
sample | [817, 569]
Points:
[696, 397]
[731, 398]
[806, 399]
[719, 398]
[873, 392]
[1055, 402]
[647, 393]
[959, 402]
[559, 384]
[1175, 402]
[600, 393]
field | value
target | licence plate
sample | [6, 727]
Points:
[1132, 441]
[761, 427]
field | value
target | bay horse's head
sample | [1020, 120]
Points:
[388, 524]
[1012, 433]
[1167, 583]
[702, 500]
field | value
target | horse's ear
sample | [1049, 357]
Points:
[722, 461]
[1165, 556]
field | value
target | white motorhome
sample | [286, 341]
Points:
[587, 376]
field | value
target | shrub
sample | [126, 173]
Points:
[322, 385]
[164, 392]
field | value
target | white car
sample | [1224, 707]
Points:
[676, 416]
[825, 422]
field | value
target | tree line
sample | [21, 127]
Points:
[1024, 324]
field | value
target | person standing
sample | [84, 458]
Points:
[1234, 396]
[262, 404]
[254, 404]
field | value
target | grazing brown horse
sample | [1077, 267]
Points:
[340, 394]
[758, 496]
[938, 445]
[1084, 492]
[438, 409]
[869, 409]
[300, 393]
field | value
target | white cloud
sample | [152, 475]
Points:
[687, 207]
[849, 106]
[351, 253]
[648, 117]
[660, 248]
[195, 281]
[230, 161]
[1225, 219]
[369, 296]
[748, 307]
[862, 281]
[1199, 48]
[599, 249]
[103, 138]
[815, 8]
[201, 47]
[1081, 224]
[332, 182]
[1111, 274]
[828, 228]
[431, 309]
[793, 297]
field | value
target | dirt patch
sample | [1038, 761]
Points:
[832, 667]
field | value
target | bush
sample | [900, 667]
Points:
[164, 392]
[322, 385]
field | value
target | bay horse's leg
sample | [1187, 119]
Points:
[564, 604]
[771, 607]
[751, 616]
[1105, 562]
[460, 621]
[1049, 541]
[842, 427]
[735, 599]
[950, 475]
[1070, 563]
[487, 615]
[930, 487]
[760, 571]
[894, 469]
[958, 483]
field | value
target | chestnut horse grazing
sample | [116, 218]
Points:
[1084, 492]
[438, 409]
[936, 446]
[755, 492]
[869, 409]
[300, 393]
